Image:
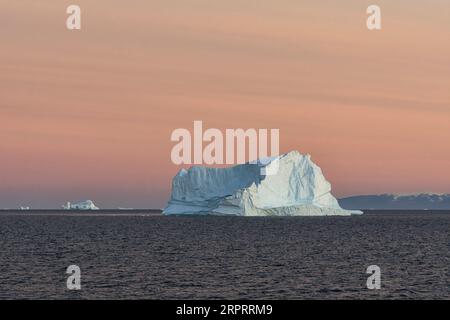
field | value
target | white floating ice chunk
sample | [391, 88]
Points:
[85, 205]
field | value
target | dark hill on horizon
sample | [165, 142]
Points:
[421, 201]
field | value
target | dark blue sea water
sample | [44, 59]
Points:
[142, 256]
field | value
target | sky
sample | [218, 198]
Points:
[88, 114]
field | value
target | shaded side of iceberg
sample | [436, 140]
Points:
[298, 188]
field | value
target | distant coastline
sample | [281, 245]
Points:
[159, 213]
[420, 201]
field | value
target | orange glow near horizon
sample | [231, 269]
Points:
[89, 113]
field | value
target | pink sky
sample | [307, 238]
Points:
[88, 114]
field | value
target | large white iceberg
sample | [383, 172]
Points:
[296, 187]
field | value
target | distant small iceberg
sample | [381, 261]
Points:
[85, 205]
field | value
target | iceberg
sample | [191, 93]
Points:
[85, 205]
[298, 188]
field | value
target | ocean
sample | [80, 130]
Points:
[140, 255]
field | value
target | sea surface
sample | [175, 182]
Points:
[140, 255]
